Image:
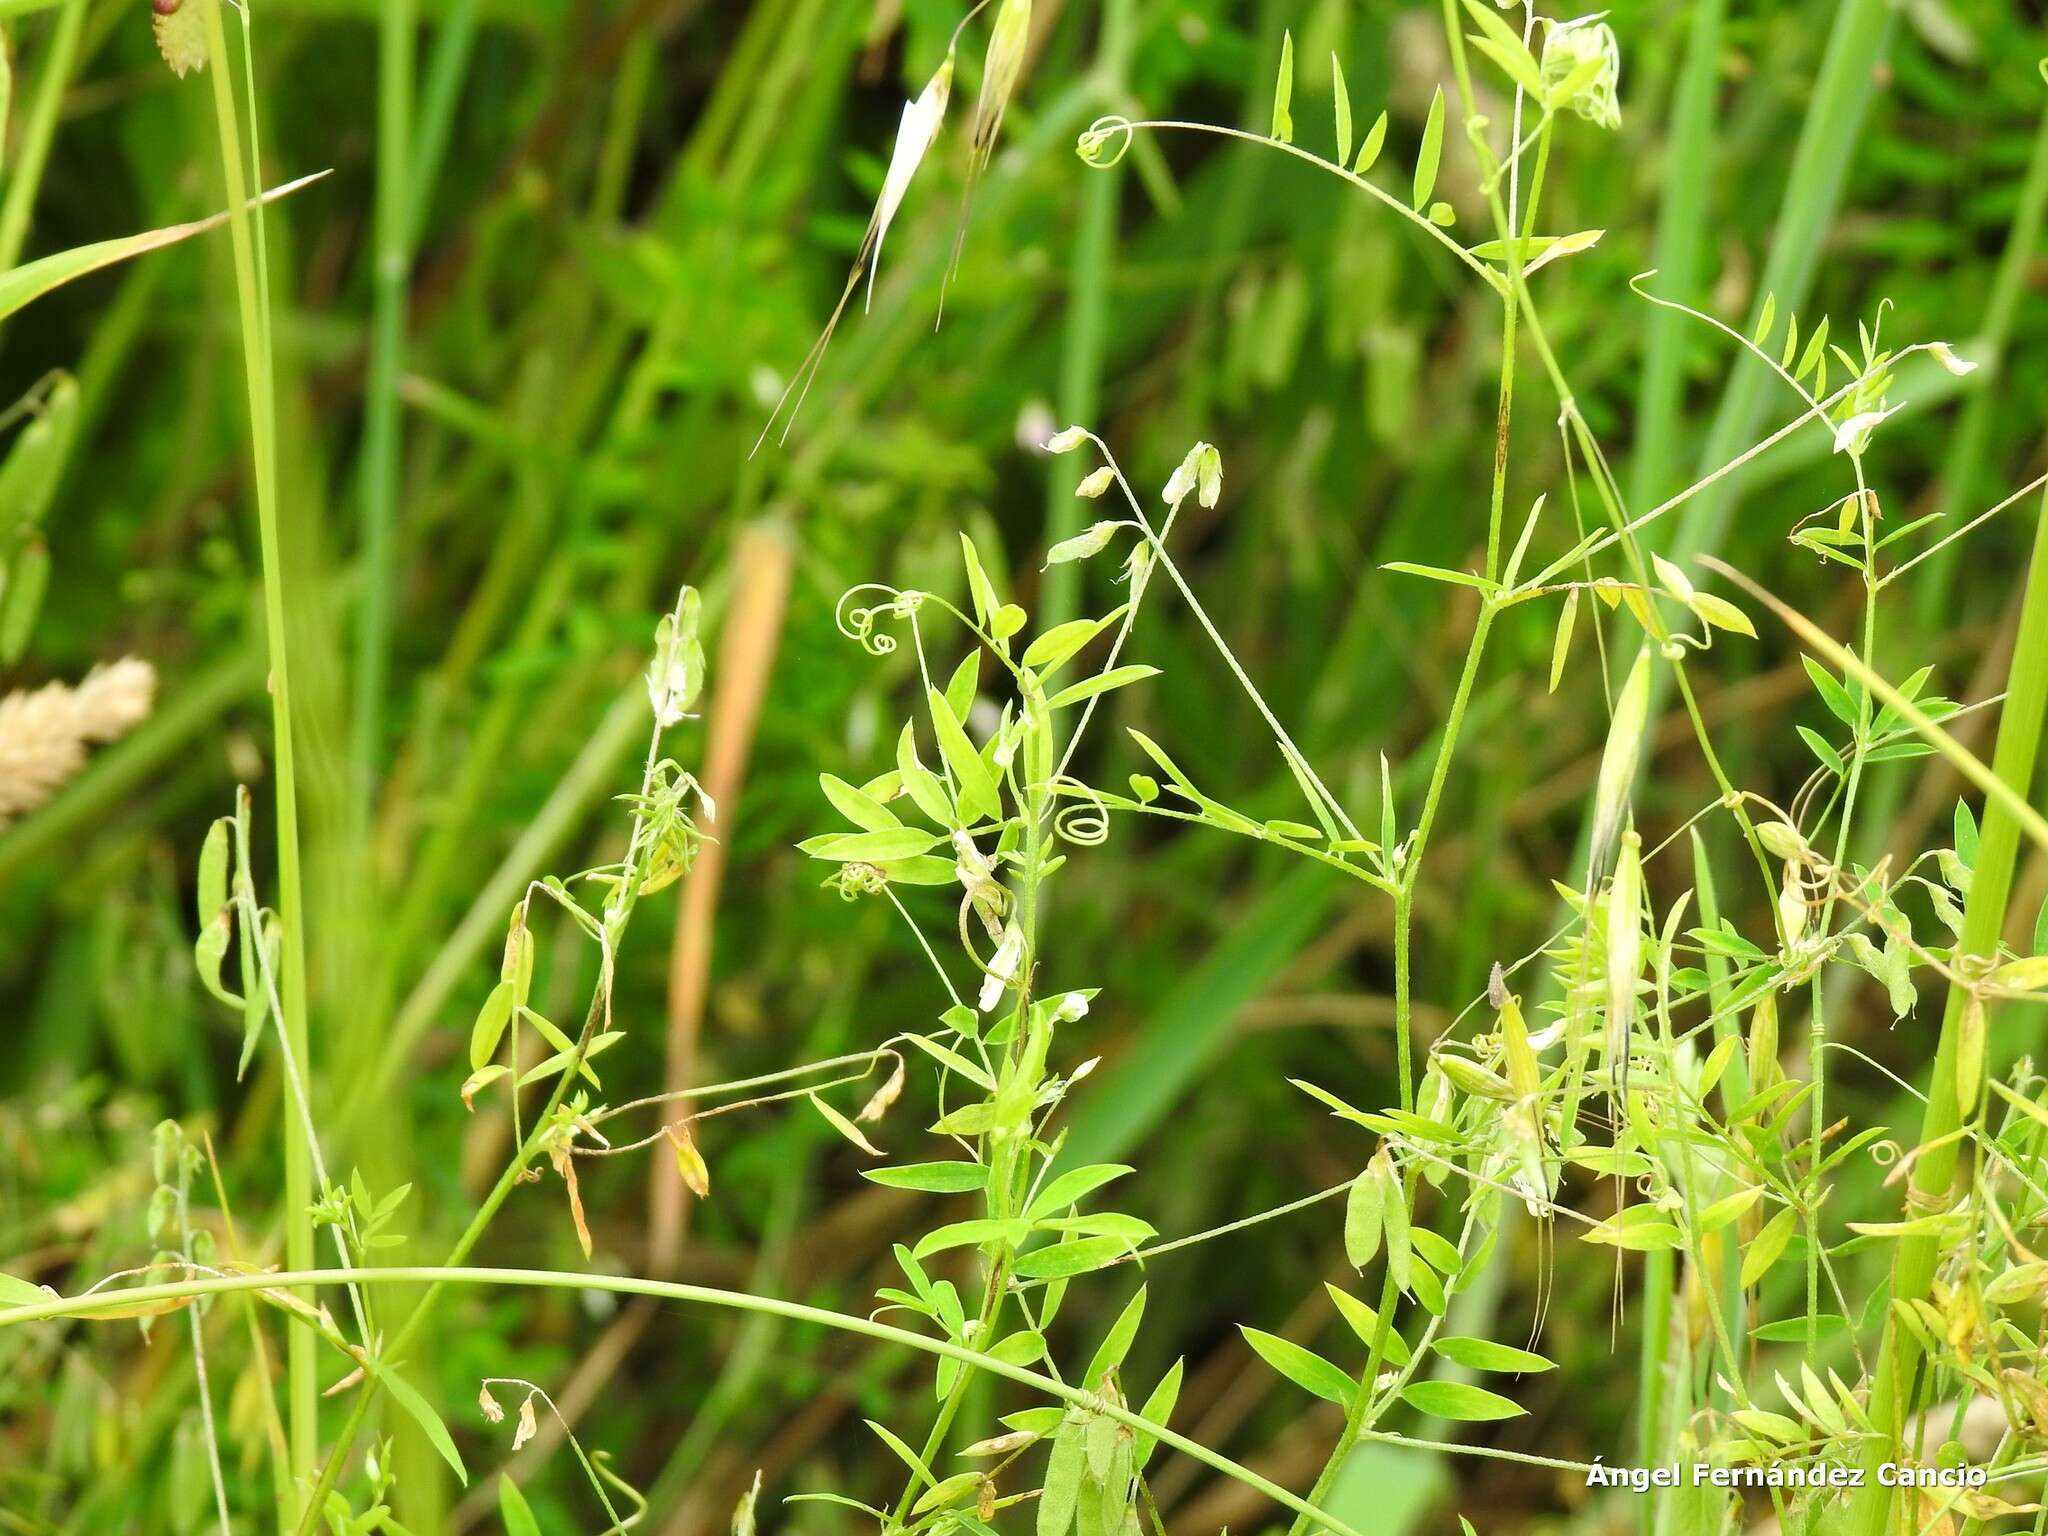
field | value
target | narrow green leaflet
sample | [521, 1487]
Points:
[1369, 151]
[954, 1062]
[1363, 1209]
[213, 871]
[1158, 1409]
[1441, 573]
[1431, 152]
[1283, 92]
[1070, 1258]
[1365, 1322]
[919, 782]
[1305, 1368]
[1769, 1245]
[857, 806]
[1639, 1229]
[1060, 644]
[979, 800]
[1485, 1355]
[1117, 1343]
[1459, 1401]
[872, 847]
[514, 1510]
[1561, 646]
[489, 1028]
[961, 686]
[1499, 42]
[421, 1412]
[910, 1458]
[1343, 109]
[986, 603]
[932, 1178]
[1102, 682]
[1073, 1185]
[843, 1126]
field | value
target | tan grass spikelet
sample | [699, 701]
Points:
[44, 732]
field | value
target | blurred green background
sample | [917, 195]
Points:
[612, 230]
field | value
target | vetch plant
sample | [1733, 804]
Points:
[1666, 1076]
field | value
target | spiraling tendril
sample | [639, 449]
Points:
[1106, 141]
[1084, 821]
[858, 624]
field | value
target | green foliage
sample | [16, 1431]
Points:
[1638, 949]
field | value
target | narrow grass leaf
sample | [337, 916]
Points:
[25, 284]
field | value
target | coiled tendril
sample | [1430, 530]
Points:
[858, 624]
[1084, 821]
[1107, 141]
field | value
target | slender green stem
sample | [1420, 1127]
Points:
[1984, 912]
[383, 427]
[25, 176]
[1820, 166]
[1087, 329]
[1358, 1412]
[1356, 1416]
[934, 1442]
[446, 67]
[618, 915]
[666, 1290]
[1681, 242]
[251, 287]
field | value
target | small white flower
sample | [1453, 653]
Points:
[1853, 435]
[1066, 440]
[1009, 954]
[1069, 1008]
[1186, 475]
[1089, 541]
[1945, 355]
[1209, 476]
